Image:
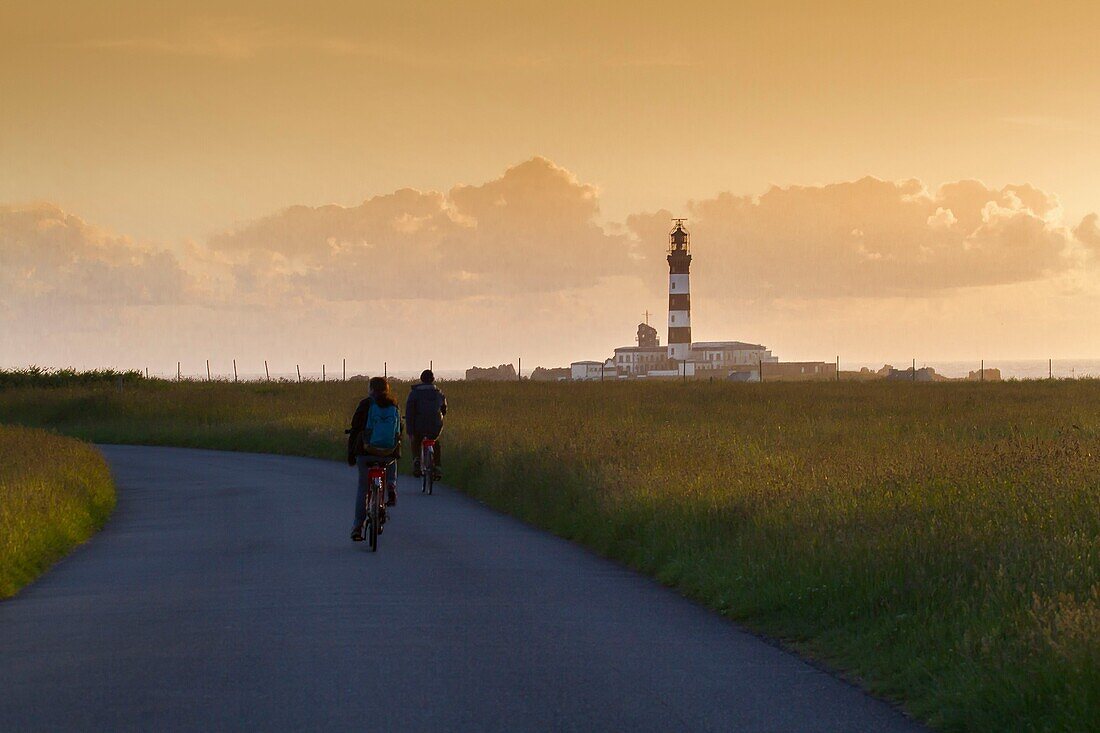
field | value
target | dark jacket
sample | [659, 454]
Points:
[355, 435]
[424, 410]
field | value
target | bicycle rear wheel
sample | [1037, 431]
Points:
[429, 475]
[423, 474]
[372, 517]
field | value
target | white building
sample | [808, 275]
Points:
[640, 360]
[682, 369]
[729, 354]
[592, 370]
[637, 361]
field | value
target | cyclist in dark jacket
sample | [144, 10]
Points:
[424, 411]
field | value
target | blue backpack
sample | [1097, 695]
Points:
[382, 428]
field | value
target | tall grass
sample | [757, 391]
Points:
[36, 376]
[54, 493]
[939, 543]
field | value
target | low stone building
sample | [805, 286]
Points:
[582, 371]
[797, 371]
[714, 358]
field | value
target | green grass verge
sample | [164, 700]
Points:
[55, 492]
[940, 544]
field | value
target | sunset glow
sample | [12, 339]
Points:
[876, 181]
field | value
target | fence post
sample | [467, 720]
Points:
[981, 372]
[1050, 368]
[299, 370]
[177, 371]
[838, 367]
[914, 370]
[345, 369]
[386, 369]
[267, 371]
[207, 370]
[322, 374]
[234, 371]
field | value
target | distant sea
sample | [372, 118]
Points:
[1010, 368]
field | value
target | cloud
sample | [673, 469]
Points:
[536, 229]
[514, 264]
[1088, 232]
[521, 264]
[533, 229]
[874, 238]
[49, 256]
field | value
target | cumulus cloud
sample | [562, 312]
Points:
[512, 265]
[874, 238]
[533, 229]
[49, 256]
[1088, 232]
[327, 252]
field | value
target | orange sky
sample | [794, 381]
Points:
[172, 135]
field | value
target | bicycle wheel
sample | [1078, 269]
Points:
[429, 475]
[423, 473]
[372, 516]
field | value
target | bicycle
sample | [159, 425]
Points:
[376, 510]
[375, 503]
[427, 465]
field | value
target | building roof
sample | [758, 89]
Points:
[652, 349]
[578, 363]
[730, 345]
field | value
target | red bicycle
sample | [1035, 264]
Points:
[376, 503]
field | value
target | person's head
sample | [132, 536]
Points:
[427, 377]
[380, 391]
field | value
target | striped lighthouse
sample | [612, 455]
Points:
[679, 294]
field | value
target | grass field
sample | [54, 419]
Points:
[939, 543]
[54, 493]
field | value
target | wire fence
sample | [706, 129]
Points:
[912, 369]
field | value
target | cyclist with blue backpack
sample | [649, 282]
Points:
[374, 439]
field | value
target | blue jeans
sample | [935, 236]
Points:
[364, 463]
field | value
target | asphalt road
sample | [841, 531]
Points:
[224, 594]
